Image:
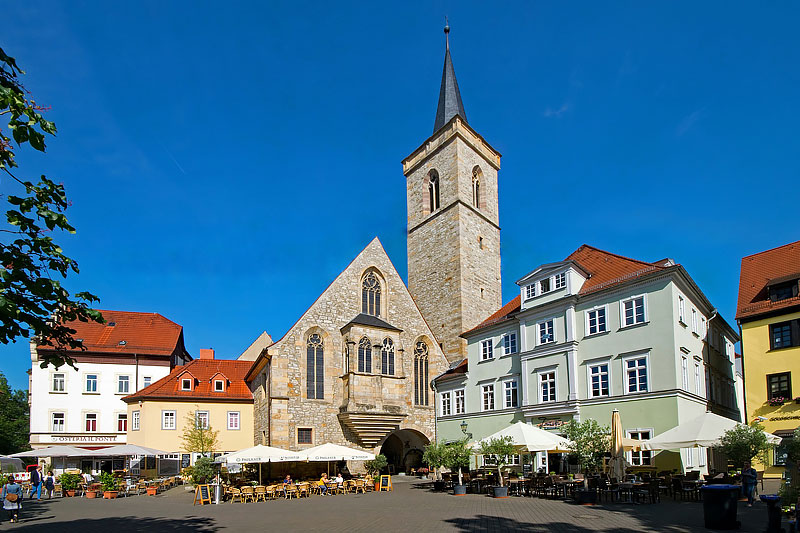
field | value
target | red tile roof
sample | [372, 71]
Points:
[605, 269]
[168, 388]
[758, 270]
[140, 333]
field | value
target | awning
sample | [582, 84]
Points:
[335, 452]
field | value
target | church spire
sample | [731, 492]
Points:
[449, 95]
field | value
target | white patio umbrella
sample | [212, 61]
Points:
[706, 430]
[259, 454]
[527, 437]
[125, 450]
[335, 452]
[617, 463]
[55, 451]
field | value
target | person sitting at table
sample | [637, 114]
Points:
[323, 489]
[286, 481]
[339, 479]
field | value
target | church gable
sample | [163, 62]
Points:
[358, 362]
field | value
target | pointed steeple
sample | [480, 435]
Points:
[449, 95]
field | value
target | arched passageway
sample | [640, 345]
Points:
[403, 449]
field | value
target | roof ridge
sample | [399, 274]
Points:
[611, 253]
[771, 249]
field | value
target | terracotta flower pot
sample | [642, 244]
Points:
[91, 494]
[151, 491]
[70, 493]
[110, 494]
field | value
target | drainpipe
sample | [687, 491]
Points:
[136, 358]
[435, 411]
[744, 388]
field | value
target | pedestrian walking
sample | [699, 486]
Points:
[49, 484]
[12, 499]
[36, 483]
[749, 477]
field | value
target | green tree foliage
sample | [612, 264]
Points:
[14, 419]
[203, 470]
[502, 448]
[434, 456]
[198, 437]
[589, 442]
[457, 455]
[375, 466]
[741, 443]
[33, 302]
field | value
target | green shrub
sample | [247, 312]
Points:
[203, 470]
[375, 466]
[70, 481]
[107, 482]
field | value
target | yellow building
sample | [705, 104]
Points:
[769, 317]
[206, 391]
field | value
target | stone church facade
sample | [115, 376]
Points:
[355, 368]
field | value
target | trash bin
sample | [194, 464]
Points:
[773, 502]
[719, 506]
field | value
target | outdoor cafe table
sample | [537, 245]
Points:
[628, 487]
[567, 485]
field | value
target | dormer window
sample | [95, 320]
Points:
[783, 291]
[186, 384]
[544, 286]
[560, 281]
[219, 385]
[530, 291]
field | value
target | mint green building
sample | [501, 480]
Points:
[588, 335]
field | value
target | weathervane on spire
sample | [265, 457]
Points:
[447, 32]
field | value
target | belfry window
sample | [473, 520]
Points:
[387, 357]
[433, 191]
[364, 355]
[371, 295]
[421, 374]
[476, 187]
[315, 367]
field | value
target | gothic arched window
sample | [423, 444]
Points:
[421, 374]
[476, 187]
[315, 371]
[364, 355]
[371, 295]
[387, 357]
[433, 190]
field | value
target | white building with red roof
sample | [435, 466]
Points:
[82, 406]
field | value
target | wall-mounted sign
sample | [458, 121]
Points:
[83, 439]
[551, 424]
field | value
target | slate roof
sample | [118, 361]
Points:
[168, 388]
[605, 270]
[761, 270]
[372, 321]
[128, 332]
[450, 103]
[457, 369]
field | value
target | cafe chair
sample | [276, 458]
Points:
[260, 493]
[236, 494]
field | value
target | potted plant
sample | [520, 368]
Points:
[457, 456]
[374, 468]
[588, 444]
[109, 486]
[502, 448]
[434, 456]
[777, 400]
[69, 483]
[91, 493]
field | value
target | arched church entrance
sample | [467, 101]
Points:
[403, 449]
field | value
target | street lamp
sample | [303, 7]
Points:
[464, 427]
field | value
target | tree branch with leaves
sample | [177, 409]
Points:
[33, 301]
[198, 436]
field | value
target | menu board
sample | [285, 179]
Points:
[202, 494]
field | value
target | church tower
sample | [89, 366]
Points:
[453, 222]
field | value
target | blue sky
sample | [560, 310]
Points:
[226, 161]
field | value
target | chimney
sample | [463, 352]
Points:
[206, 353]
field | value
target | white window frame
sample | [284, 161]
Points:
[607, 363]
[562, 277]
[694, 322]
[86, 383]
[596, 309]
[539, 325]
[682, 310]
[462, 403]
[626, 385]
[685, 372]
[198, 418]
[488, 388]
[640, 454]
[183, 383]
[703, 327]
[487, 350]
[446, 403]
[120, 381]
[530, 291]
[166, 417]
[698, 380]
[86, 419]
[507, 385]
[689, 457]
[135, 420]
[541, 290]
[237, 415]
[63, 422]
[510, 343]
[119, 418]
[63, 382]
[147, 381]
[222, 385]
[540, 383]
[645, 314]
